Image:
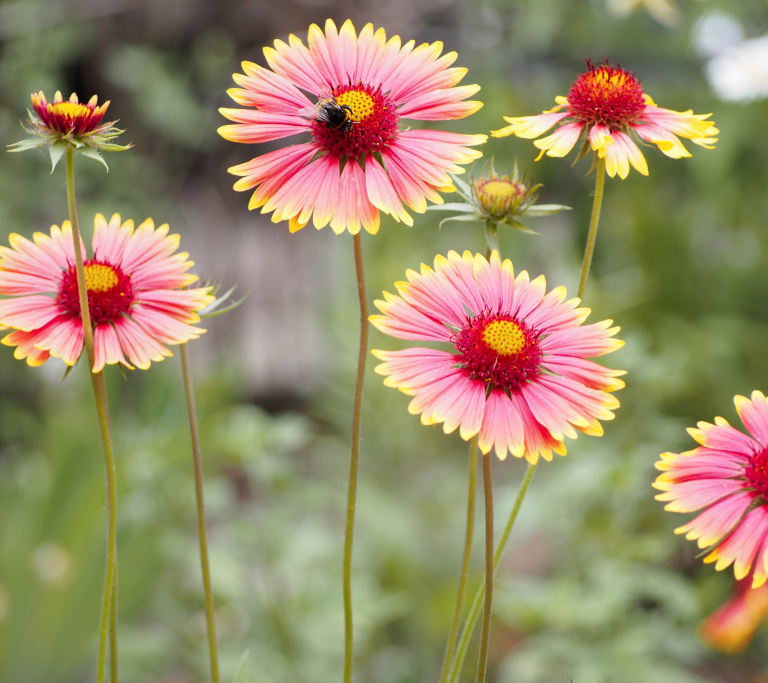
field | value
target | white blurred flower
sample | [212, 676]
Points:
[52, 564]
[716, 32]
[663, 11]
[740, 74]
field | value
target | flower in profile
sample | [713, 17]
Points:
[134, 296]
[727, 477]
[62, 123]
[498, 200]
[518, 374]
[731, 627]
[359, 159]
[605, 108]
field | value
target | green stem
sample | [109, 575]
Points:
[102, 411]
[491, 238]
[474, 611]
[210, 612]
[113, 633]
[593, 221]
[485, 631]
[354, 457]
[461, 591]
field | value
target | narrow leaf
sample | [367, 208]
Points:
[456, 206]
[57, 151]
[23, 145]
[461, 185]
[544, 210]
[242, 669]
[459, 219]
[92, 154]
[517, 225]
[229, 308]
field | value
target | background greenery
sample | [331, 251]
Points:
[595, 585]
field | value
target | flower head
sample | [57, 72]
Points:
[134, 282]
[60, 124]
[727, 477]
[606, 107]
[359, 159]
[518, 374]
[731, 627]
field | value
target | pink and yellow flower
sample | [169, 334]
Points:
[606, 107]
[731, 627]
[135, 299]
[518, 374]
[346, 174]
[727, 477]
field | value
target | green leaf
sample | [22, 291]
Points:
[242, 669]
[92, 154]
[584, 147]
[517, 225]
[24, 145]
[544, 210]
[212, 310]
[456, 206]
[459, 219]
[57, 151]
[461, 186]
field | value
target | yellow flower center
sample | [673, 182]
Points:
[360, 102]
[504, 337]
[499, 189]
[69, 109]
[100, 278]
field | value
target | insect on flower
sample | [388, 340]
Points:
[328, 111]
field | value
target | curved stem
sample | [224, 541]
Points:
[102, 411]
[474, 611]
[593, 221]
[354, 457]
[485, 631]
[210, 613]
[461, 591]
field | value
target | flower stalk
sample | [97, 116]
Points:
[102, 409]
[485, 631]
[461, 591]
[354, 457]
[210, 611]
[593, 222]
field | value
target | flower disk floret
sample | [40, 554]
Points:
[135, 296]
[606, 107]
[727, 478]
[518, 374]
[344, 176]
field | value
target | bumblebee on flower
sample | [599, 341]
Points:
[605, 108]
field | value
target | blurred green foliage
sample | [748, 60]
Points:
[594, 586]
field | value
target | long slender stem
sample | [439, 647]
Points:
[113, 632]
[485, 631]
[354, 457]
[593, 221]
[461, 591]
[210, 613]
[102, 411]
[491, 238]
[474, 611]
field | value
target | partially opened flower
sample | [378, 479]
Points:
[134, 283]
[360, 160]
[606, 108]
[731, 627]
[517, 375]
[727, 478]
[62, 123]
[498, 200]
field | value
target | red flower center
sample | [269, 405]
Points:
[756, 472]
[498, 349]
[110, 293]
[374, 118]
[607, 95]
[68, 117]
